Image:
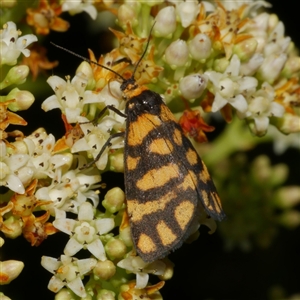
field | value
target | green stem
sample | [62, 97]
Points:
[236, 137]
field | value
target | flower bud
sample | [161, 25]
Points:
[200, 46]
[165, 23]
[104, 269]
[65, 294]
[10, 270]
[16, 75]
[125, 236]
[114, 200]
[192, 86]
[245, 49]
[1, 241]
[86, 69]
[14, 226]
[291, 66]
[187, 12]
[115, 248]
[128, 11]
[106, 295]
[271, 67]
[220, 65]
[289, 123]
[169, 270]
[23, 100]
[116, 161]
[177, 54]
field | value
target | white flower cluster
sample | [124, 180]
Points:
[70, 189]
[245, 83]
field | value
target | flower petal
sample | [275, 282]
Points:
[97, 249]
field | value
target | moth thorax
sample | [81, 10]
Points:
[133, 90]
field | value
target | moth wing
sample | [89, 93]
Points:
[162, 183]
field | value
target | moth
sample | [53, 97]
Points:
[166, 182]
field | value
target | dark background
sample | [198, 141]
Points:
[203, 270]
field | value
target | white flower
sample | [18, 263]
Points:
[135, 264]
[68, 271]
[252, 5]
[69, 190]
[262, 106]
[11, 167]
[70, 97]
[277, 43]
[94, 139]
[42, 162]
[85, 232]
[11, 45]
[78, 6]
[229, 87]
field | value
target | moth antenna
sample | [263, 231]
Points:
[87, 60]
[144, 53]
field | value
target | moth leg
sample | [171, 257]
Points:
[107, 144]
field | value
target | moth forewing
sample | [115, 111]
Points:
[162, 178]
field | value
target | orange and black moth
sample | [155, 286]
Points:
[166, 182]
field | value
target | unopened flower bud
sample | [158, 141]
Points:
[291, 66]
[245, 49]
[128, 11]
[125, 236]
[115, 248]
[177, 54]
[187, 12]
[86, 69]
[200, 47]
[106, 295]
[169, 270]
[1, 241]
[23, 100]
[220, 65]
[104, 269]
[273, 20]
[116, 161]
[16, 75]
[289, 123]
[165, 23]
[114, 200]
[10, 270]
[271, 67]
[192, 86]
[65, 294]
[14, 226]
